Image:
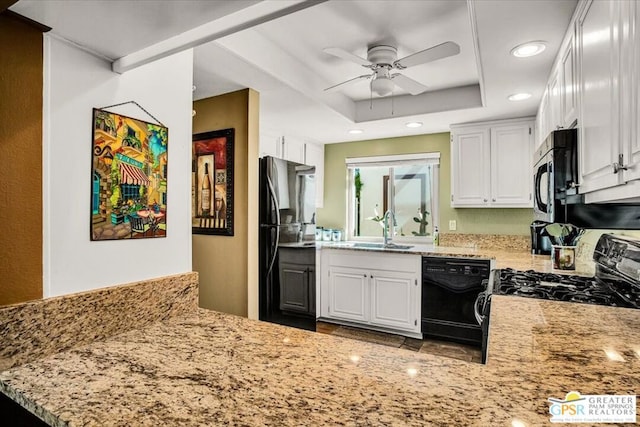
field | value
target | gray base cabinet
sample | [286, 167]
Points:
[297, 280]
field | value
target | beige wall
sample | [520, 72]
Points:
[223, 262]
[20, 160]
[482, 221]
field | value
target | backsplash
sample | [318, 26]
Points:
[486, 241]
[39, 328]
[587, 243]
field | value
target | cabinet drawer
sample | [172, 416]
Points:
[306, 256]
[371, 260]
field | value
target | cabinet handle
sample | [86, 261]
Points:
[619, 165]
[485, 200]
[493, 200]
[371, 276]
[365, 275]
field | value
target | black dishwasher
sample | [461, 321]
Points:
[450, 287]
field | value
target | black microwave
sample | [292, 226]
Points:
[555, 176]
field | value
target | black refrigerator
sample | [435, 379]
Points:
[287, 288]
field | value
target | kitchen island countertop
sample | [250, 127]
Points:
[211, 368]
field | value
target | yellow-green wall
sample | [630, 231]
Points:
[20, 159]
[227, 264]
[481, 221]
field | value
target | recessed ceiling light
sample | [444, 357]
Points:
[528, 49]
[519, 96]
[413, 124]
[355, 131]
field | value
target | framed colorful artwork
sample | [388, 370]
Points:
[129, 178]
[212, 183]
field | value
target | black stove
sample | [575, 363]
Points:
[616, 283]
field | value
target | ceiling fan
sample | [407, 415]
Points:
[382, 59]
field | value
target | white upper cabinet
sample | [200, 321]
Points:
[293, 149]
[558, 105]
[470, 159]
[568, 91]
[599, 120]
[270, 145]
[491, 164]
[598, 66]
[299, 151]
[633, 152]
[511, 168]
[555, 102]
[543, 126]
[314, 156]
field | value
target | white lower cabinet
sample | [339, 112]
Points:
[376, 290]
[348, 294]
[392, 296]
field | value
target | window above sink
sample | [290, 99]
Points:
[405, 184]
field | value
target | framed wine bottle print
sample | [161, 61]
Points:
[212, 183]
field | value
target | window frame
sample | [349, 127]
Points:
[432, 158]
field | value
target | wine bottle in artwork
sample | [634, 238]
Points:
[205, 194]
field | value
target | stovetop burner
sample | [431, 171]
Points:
[589, 290]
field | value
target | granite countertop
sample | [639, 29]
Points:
[504, 258]
[212, 369]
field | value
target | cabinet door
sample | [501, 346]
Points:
[348, 294]
[632, 151]
[598, 75]
[511, 168]
[543, 119]
[314, 156]
[470, 168]
[293, 149]
[568, 87]
[311, 277]
[270, 145]
[394, 301]
[294, 288]
[555, 101]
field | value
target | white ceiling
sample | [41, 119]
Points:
[283, 58]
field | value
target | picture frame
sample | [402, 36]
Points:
[212, 182]
[129, 163]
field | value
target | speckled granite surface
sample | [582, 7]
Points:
[215, 369]
[518, 260]
[43, 327]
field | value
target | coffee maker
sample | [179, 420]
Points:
[540, 244]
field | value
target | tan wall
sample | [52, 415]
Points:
[480, 221]
[222, 261]
[20, 161]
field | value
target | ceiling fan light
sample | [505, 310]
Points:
[382, 86]
[528, 49]
[519, 96]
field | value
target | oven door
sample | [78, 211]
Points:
[543, 201]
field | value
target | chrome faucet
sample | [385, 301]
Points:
[385, 222]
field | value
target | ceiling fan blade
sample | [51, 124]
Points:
[343, 54]
[353, 80]
[408, 84]
[434, 53]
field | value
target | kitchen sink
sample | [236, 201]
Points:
[367, 245]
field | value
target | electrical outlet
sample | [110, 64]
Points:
[453, 225]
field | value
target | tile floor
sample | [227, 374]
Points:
[431, 346]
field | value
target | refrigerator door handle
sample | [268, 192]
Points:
[274, 201]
